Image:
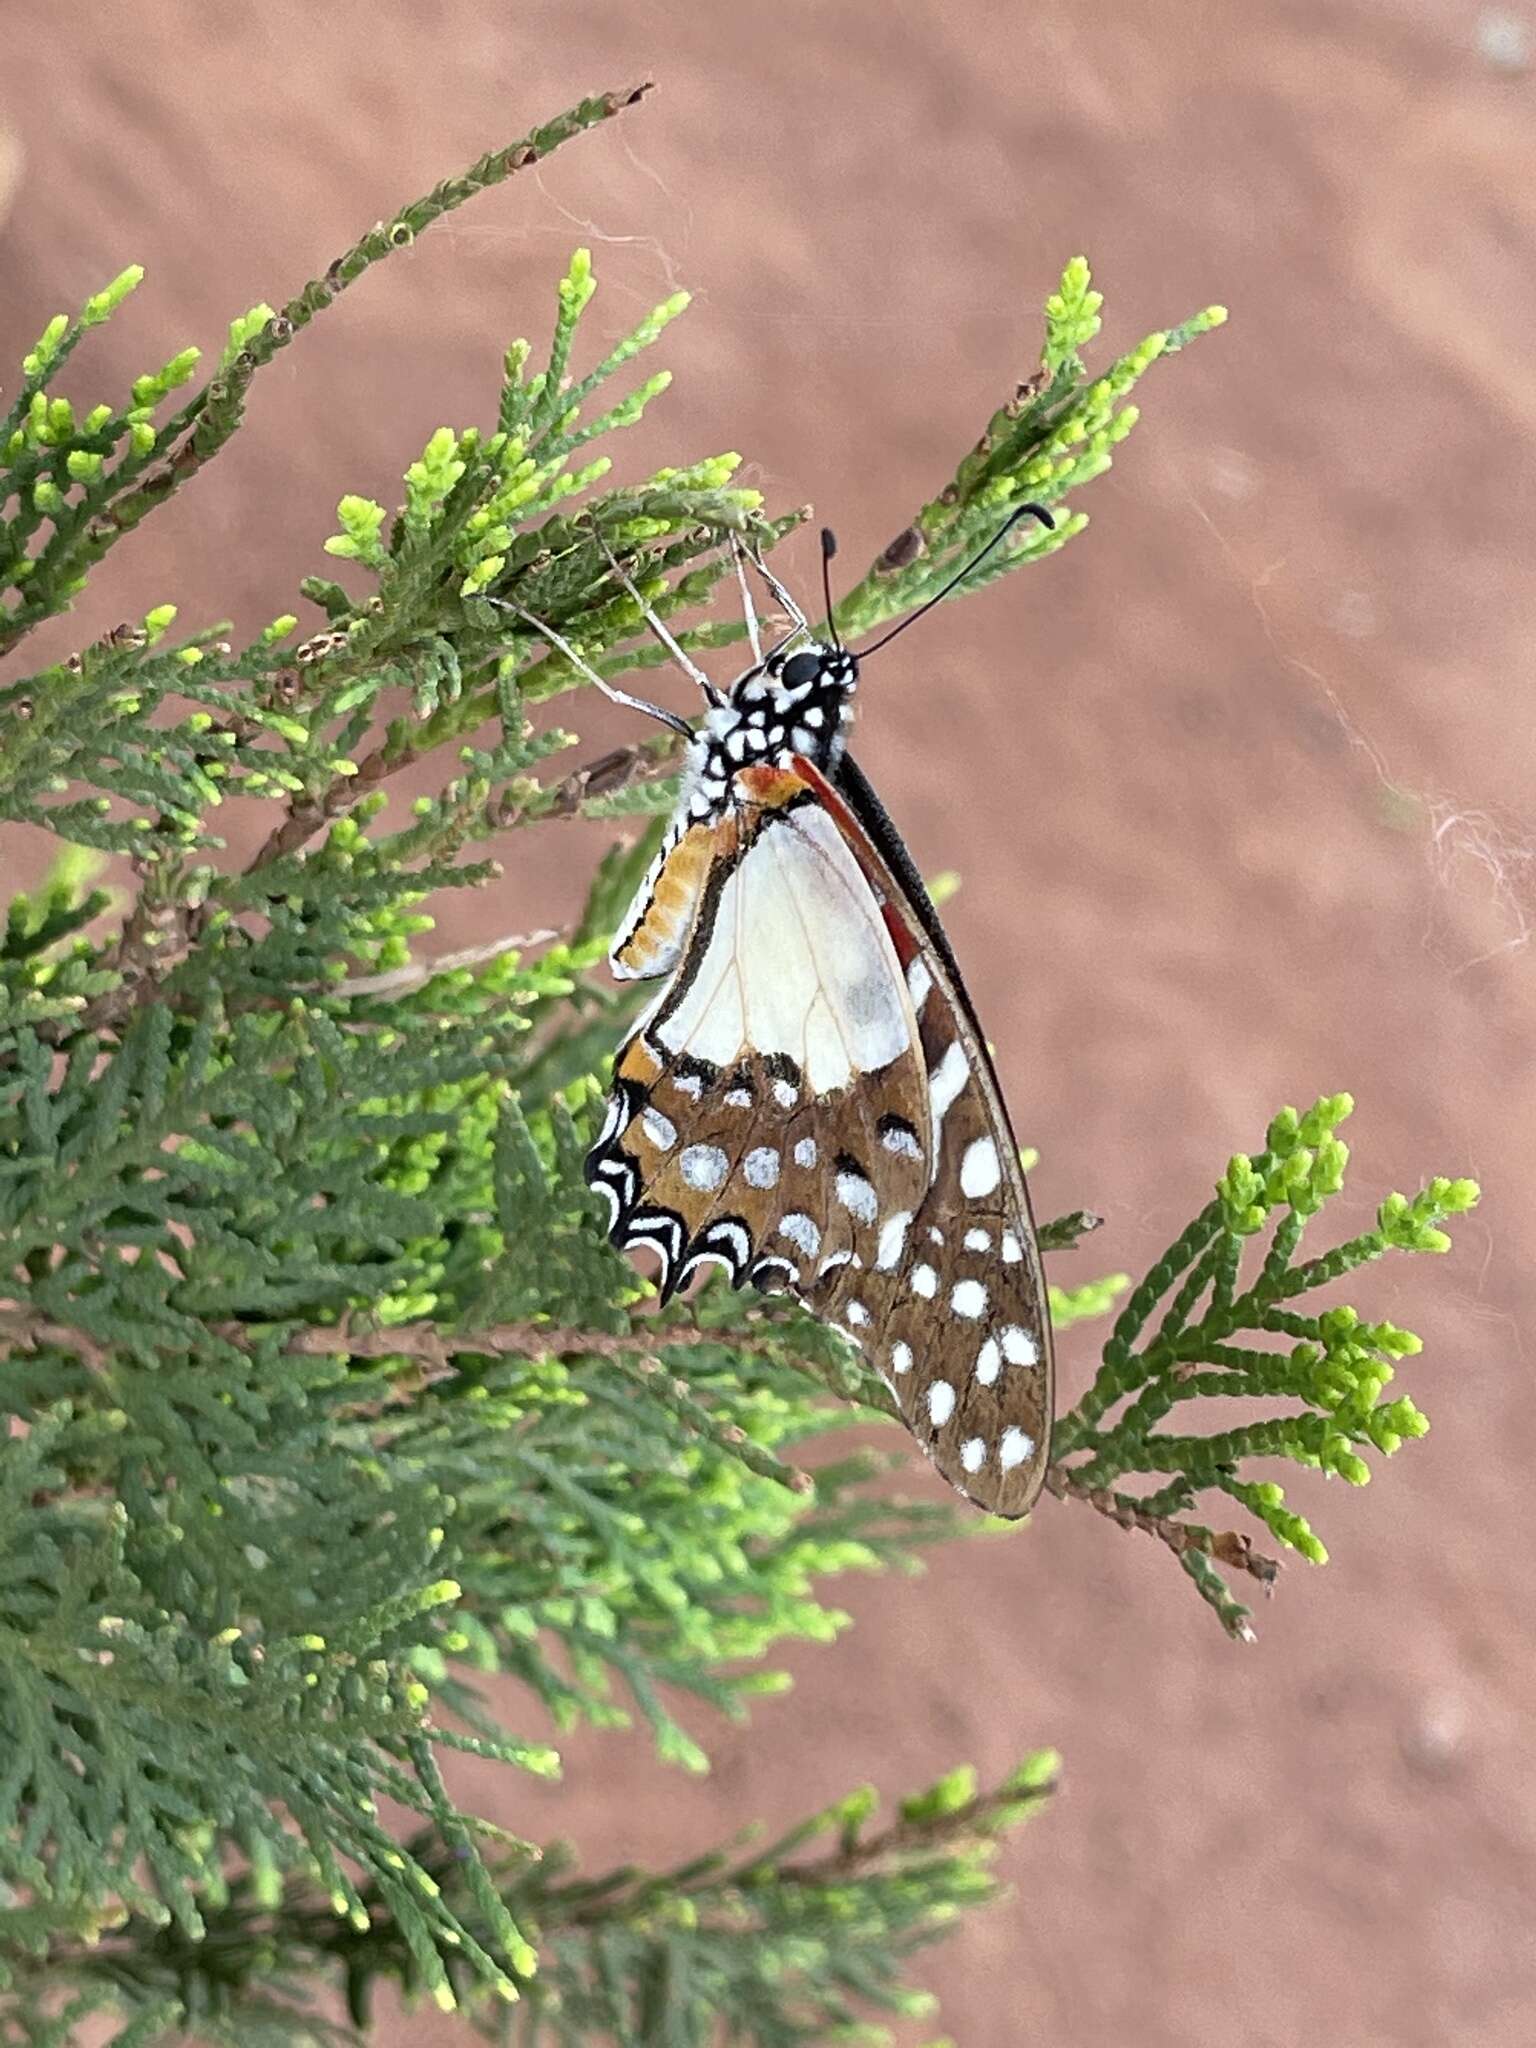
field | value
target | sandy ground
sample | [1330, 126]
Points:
[1240, 789]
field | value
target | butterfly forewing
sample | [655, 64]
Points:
[958, 1315]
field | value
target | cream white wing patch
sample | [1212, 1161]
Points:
[796, 960]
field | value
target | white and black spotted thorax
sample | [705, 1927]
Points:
[800, 703]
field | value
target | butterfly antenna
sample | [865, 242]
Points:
[828, 550]
[1020, 512]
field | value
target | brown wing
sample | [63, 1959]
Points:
[745, 1168]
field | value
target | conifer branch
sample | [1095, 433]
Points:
[735, 1930]
[115, 501]
[1227, 1546]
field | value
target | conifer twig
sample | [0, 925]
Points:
[437, 1349]
[1228, 1546]
[399, 981]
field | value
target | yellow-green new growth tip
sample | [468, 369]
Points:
[39, 360]
[148, 391]
[361, 520]
[243, 330]
[956, 1789]
[578, 284]
[429, 479]
[103, 304]
[1071, 316]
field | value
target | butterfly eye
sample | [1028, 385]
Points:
[801, 669]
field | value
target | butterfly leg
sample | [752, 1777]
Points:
[654, 620]
[616, 696]
[749, 609]
[780, 596]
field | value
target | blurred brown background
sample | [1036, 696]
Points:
[1240, 788]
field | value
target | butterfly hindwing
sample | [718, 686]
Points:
[772, 1106]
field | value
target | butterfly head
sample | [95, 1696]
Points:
[809, 693]
[798, 702]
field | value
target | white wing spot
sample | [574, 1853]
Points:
[858, 1314]
[941, 1403]
[661, 1130]
[704, 1167]
[978, 1240]
[1019, 1348]
[979, 1170]
[935, 1235]
[833, 1260]
[893, 1235]
[925, 1282]
[919, 982]
[689, 1085]
[989, 1362]
[760, 1168]
[901, 1357]
[857, 1196]
[738, 1098]
[1013, 1251]
[1014, 1449]
[973, 1454]
[946, 1080]
[805, 1152]
[801, 1232]
[902, 1142]
[785, 1094]
[969, 1299]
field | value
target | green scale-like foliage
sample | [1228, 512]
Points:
[327, 1398]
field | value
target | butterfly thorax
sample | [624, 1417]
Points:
[797, 704]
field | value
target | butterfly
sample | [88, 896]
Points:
[809, 1102]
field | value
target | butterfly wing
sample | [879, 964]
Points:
[810, 1104]
[780, 1068]
[964, 1313]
